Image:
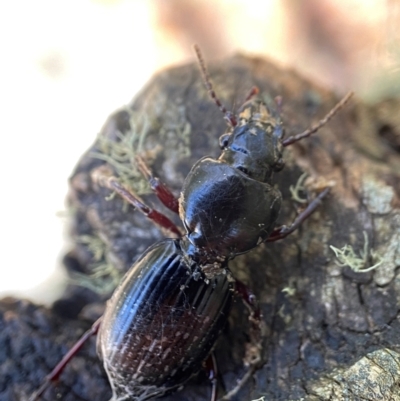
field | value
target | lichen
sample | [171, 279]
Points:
[389, 229]
[297, 188]
[104, 277]
[346, 256]
[290, 291]
[377, 196]
[373, 377]
[120, 153]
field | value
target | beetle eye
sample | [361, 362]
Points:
[244, 170]
[279, 165]
[223, 140]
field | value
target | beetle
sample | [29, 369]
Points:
[164, 318]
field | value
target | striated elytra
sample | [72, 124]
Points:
[161, 323]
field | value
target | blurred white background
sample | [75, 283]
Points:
[67, 64]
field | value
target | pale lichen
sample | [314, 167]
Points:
[291, 287]
[389, 230]
[377, 196]
[346, 256]
[290, 291]
[121, 151]
[297, 188]
[373, 377]
[104, 277]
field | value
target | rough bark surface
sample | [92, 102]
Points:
[330, 333]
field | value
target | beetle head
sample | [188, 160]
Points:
[254, 145]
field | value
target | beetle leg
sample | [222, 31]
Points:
[159, 188]
[254, 347]
[55, 373]
[103, 177]
[284, 231]
[240, 384]
[210, 364]
[250, 301]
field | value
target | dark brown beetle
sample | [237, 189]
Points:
[164, 318]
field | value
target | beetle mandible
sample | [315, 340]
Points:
[164, 318]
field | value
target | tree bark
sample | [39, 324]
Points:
[330, 333]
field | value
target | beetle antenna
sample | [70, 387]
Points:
[234, 106]
[278, 101]
[315, 128]
[253, 92]
[229, 116]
